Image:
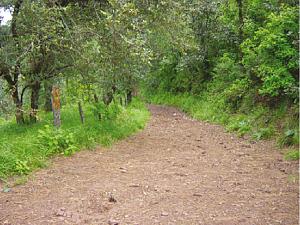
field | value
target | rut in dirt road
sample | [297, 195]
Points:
[176, 171]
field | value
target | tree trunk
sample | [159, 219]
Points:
[241, 26]
[81, 112]
[14, 84]
[96, 102]
[108, 97]
[19, 105]
[19, 113]
[35, 91]
[56, 106]
[48, 104]
[96, 99]
[206, 67]
[128, 97]
[121, 101]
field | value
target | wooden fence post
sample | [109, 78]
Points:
[56, 106]
[81, 112]
[97, 106]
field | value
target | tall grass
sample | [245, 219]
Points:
[27, 147]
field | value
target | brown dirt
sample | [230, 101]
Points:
[176, 171]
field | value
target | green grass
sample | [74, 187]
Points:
[259, 122]
[292, 155]
[27, 147]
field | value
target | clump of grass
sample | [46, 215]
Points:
[263, 133]
[27, 147]
[292, 155]
[288, 138]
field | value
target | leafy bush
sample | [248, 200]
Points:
[242, 127]
[99, 109]
[235, 92]
[55, 141]
[113, 110]
[272, 53]
[105, 112]
[229, 84]
[226, 71]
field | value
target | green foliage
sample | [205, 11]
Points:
[113, 110]
[292, 155]
[263, 133]
[27, 147]
[242, 127]
[288, 138]
[243, 71]
[226, 71]
[21, 167]
[54, 141]
[109, 112]
[235, 93]
[272, 55]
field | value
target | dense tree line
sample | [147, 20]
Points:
[240, 50]
[104, 49]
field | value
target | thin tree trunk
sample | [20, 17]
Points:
[19, 105]
[96, 102]
[35, 91]
[56, 106]
[121, 100]
[96, 99]
[81, 112]
[128, 97]
[14, 85]
[107, 99]
[19, 113]
[48, 89]
[241, 26]
[109, 96]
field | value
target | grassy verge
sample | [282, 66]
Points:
[27, 147]
[259, 122]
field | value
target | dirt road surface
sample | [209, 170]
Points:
[176, 171]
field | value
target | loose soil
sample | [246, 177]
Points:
[176, 171]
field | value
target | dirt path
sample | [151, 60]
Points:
[176, 171]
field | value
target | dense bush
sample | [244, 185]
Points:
[271, 53]
[53, 141]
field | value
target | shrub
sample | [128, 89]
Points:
[226, 70]
[113, 110]
[109, 112]
[242, 127]
[272, 54]
[53, 141]
[235, 92]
